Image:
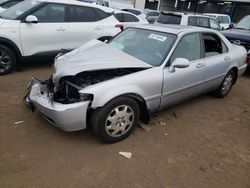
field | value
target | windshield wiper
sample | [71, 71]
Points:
[241, 28]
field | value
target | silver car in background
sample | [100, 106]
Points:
[144, 69]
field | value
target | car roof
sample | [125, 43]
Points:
[132, 9]
[185, 14]
[215, 14]
[173, 29]
[126, 12]
[76, 2]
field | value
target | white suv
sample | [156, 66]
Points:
[188, 19]
[40, 28]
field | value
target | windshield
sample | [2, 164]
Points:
[149, 46]
[244, 23]
[14, 12]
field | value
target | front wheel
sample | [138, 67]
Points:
[116, 120]
[7, 60]
[226, 85]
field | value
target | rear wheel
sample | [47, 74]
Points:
[7, 60]
[116, 120]
[226, 84]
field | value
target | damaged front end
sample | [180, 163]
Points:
[64, 104]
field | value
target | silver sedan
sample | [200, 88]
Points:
[114, 85]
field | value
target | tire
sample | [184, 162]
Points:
[7, 60]
[123, 111]
[226, 85]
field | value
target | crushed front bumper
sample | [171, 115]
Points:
[68, 117]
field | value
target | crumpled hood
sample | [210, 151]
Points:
[94, 55]
[235, 33]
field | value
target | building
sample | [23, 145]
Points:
[235, 8]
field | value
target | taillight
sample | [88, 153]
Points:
[119, 26]
[246, 60]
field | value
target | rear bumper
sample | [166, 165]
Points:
[242, 69]
[68, 117]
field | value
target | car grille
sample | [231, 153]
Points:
[246, 44]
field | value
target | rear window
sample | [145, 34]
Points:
[136, 12]
[223, 19]
[169, 19]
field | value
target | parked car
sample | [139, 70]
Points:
[188, 19]
[136, 12]
[144, 69]
[4, 4]
[38, 28]
[152, 15]
[240, 34]
[128, 19]
[223, 19]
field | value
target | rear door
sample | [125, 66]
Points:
[217, 58]
[84, 25]
[184, 82]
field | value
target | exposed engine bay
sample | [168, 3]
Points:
[69, 86]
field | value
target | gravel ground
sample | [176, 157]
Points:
[201, 143]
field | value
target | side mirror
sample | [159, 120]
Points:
[231, 25]
[179, 63]
[31, 19]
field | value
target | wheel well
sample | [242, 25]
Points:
[13, 48]
[236, 73]
[144, 112]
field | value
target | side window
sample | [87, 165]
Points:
[202, 22]
[82, 14]
[50, 13]
[214, 25]
[189, 47]
[119, 17]
[130, 18]
[192, 20]
[101, 14]
[213, 45]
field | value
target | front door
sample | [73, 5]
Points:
[49, 35]
[184, 82]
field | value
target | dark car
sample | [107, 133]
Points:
[240, 34]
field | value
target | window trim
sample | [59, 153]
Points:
[202, 33]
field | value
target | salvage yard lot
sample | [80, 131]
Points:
[204, 142]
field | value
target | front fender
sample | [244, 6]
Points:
[101, 98]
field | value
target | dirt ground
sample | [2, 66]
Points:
[202, 143]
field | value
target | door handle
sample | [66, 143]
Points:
[227, 58]
[61, 29]
[98, 28]
[199, 65]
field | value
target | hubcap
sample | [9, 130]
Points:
[227, 84]
[119, 121]
[5, 61]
